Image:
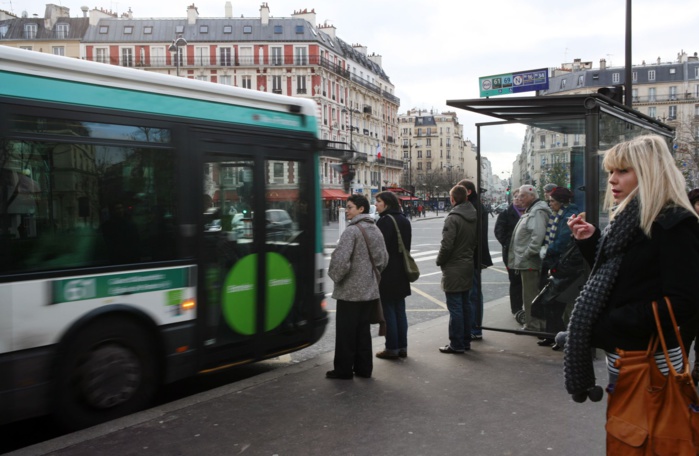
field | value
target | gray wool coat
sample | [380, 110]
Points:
[350, 267]
[528, 237]
[458, 247]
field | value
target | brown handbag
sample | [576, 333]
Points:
[649, 413]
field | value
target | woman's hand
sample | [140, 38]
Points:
[580, 228]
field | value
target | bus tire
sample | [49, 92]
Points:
[108, 370]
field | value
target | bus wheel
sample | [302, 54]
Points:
[109, 370]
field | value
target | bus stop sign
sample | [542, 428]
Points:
[524, 81]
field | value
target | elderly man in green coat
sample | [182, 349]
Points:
[455, 258]
[525, 245]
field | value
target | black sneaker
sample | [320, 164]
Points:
[476, 337]
[447, 349]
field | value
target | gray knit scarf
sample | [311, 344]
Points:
[615, 238]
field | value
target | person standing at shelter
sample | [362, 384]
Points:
[525, 247]
[356, 289]
[455, 258]
[649, 250]
[481, 260]
[504, 227]
[394, 286]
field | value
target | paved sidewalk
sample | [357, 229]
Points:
[504, 397]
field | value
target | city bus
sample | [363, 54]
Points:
[152, 228]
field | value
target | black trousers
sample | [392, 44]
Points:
[515, 291]
[353, 351]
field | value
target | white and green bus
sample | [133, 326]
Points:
[151, 228]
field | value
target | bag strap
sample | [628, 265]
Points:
[661, 336]
[377, 274]
[401, 246]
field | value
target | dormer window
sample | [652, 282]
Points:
[247, 29]
[277, 29]
[30, 31]
[104, 29]
[128, 30]
[148, 30]
[203, 29]
[227, 29]
[299, 29]
[62, 31]
[179, 29]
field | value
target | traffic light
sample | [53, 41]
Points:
[508, 190]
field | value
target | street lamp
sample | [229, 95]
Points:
[436, 206]
[177, 43]
[409, 146]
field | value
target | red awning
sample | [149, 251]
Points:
[407, 198]
[334, 194]
[283, 194]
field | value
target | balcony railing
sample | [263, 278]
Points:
[665, 98]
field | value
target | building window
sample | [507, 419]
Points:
[277, 29]
[299, 29]
[300, 56]
[651, 94]
[615, 78]
[246, 82]
[277, 56]
[276, 84]
[672, 112]
[148, 30]
[30, 31]
[673, 71]
[224, 56]
[102, 55]
[634, 95]
[301, 84]
[127, 57]
[202, 77]
[58, 50]
[128, 30]
[652, 112]
[428, 153]
[104, 29]
[203, 29]
[563, 84]
[696, 72]
[651, 75]
[419, 166]
[581, 80]
[429, 166]
[673, 92]
[225, 79]
[62, 31]
[227, 29]
[247, 29]
[542, 141]
[634, 76]
[419, 154]
[201, 55]
[179, 29]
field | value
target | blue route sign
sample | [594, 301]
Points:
[523, 81]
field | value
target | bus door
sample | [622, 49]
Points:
[257, 256]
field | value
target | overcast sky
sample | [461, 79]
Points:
[436, 50]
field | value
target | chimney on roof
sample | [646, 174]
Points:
[264, 14]
[328, 29]
[376, 58]
[85, 9]
[602, 64]
[192, 14]
[228, 10]
[310, 16]
[359, 48]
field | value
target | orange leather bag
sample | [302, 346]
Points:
[649, 413]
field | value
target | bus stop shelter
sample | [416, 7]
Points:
[591, 122]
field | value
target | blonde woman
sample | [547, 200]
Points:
[650, 249]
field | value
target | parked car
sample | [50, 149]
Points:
[501, 208]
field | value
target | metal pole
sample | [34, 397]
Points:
[628, 99]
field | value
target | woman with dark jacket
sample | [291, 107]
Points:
[395, 285]
[649, 250]
[504, 227]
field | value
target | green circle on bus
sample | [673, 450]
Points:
[240, 293]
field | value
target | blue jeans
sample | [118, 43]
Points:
[396, 325]
[459, 320]
[475, 302]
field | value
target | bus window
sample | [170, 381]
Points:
[73, 205]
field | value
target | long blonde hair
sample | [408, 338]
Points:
[660, 183]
